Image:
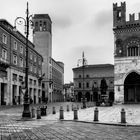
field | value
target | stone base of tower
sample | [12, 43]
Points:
[127, 80]
[119, 94]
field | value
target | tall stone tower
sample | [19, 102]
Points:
[126, 55]
[42, 38]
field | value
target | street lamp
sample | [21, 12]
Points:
[20, 20]
[84, 62]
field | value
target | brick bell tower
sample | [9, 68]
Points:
[42, 38]
[126, 55]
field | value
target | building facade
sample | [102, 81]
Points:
[69, 92]
[89, 82]
[12, 67]
[42, 38]
[126, 55]
[58, 80]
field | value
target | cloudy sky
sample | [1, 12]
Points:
[77, 26]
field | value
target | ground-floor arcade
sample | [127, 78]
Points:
[92, 96]
[12, 88]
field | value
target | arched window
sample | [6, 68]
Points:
[79, 76]
[79, 85]
[44, 25]
[87, 85]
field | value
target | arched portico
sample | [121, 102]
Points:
[132, 88]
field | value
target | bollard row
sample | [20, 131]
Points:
[42, 111]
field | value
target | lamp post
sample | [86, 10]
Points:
[26, 111]
[84, 62]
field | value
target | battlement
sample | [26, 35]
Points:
[115, 5]
[119, 17]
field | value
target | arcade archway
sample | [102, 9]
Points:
[87, 96]
[132, 88]
[79, 96]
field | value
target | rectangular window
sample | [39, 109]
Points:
[34, 82]
[20, 78]
[14, 77]
[43, 85]
[30, 81]
[39, 71]
[87, 85]
[31, 56]
[31, 67]
[21, 62]
[15, 45]
[4, 54]
[34, 69]
[14, 59]
[79, 85]
[39, 61]
[21, 49]
[34, 58]
[4, 39]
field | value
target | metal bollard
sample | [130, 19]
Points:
[68, 108]
[33, 112]
[38, 113]
[61, 113]
[96, 114]
[123, 118]
[75, 114]
[54, 111]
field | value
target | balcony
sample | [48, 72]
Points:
[4, 63]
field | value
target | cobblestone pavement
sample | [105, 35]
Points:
[62, 130]
[51, 128]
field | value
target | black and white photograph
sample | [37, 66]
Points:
[70, 70]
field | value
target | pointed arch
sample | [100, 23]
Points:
[132, 88]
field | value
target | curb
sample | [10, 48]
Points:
[104, 123]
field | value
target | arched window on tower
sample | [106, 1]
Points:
[36, 26]
[133, 51]
[40, 25]
[44, 26]
[119, 15]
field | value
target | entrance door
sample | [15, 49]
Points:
[132, 88]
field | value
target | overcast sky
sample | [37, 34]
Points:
[77, 26]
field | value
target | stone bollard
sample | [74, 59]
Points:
[68, 108]
[54, 111]
[33, 112]
[96, 114]
[38, 113]
[61, 113]
[123, 118]
[75, 114]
